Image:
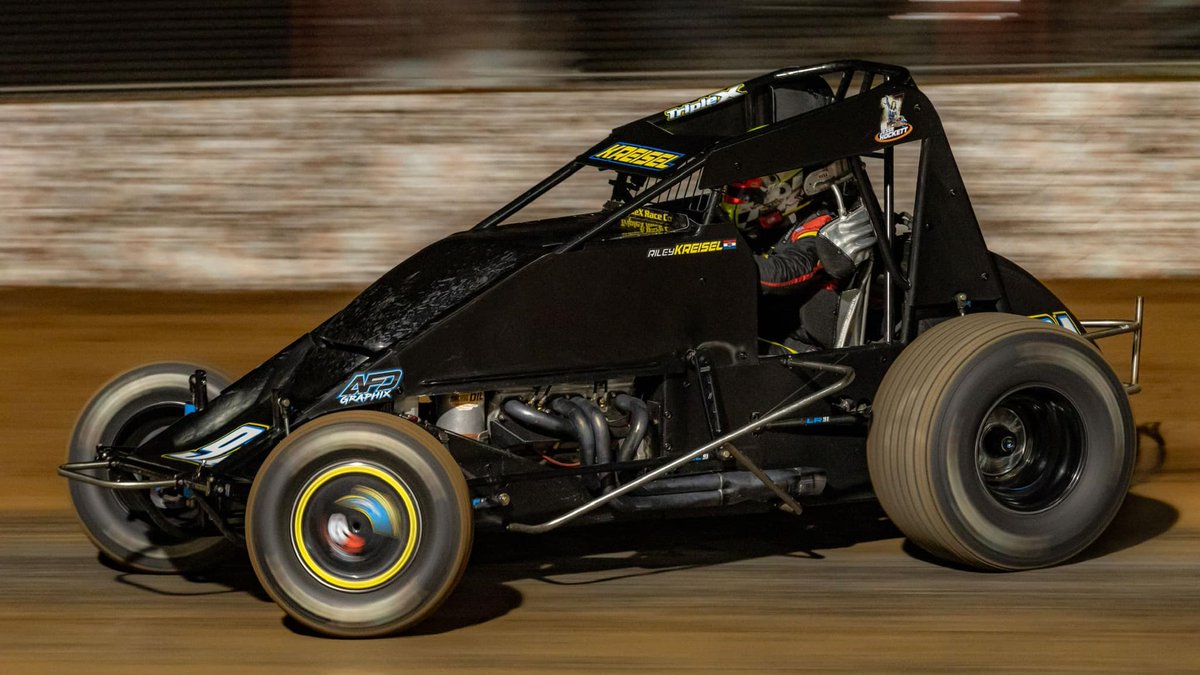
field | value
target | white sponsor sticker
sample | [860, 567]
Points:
[220, 449]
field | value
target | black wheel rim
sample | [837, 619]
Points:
[169, 510]
[147, 424]
[355, 526]
[1029, 450]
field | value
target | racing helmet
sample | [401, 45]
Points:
[766, 202]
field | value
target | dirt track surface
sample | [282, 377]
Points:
[836, 590]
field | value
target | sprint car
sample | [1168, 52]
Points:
[598, 350]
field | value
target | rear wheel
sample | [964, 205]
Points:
[359, 524]
[142, 530]
[1001, 442]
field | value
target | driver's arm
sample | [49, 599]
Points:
[794, 261]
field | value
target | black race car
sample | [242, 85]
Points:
[602, 352]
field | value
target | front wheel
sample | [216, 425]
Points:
[1001, 442]
[142, 530]
[359, 524]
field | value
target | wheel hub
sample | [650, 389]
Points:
[1004, 443]
[1030, 449]
[355, 526]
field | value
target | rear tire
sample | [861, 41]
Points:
[1001, 442]
[359, 524]
[127, 411]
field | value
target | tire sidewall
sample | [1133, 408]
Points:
[1005, 537]
[105, 519]
[443, 528]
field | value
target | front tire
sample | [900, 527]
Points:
[359, 524]
[1001, 442]
[126, 412]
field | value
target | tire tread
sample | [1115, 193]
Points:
[899, 451]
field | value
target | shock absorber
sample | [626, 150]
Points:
[198, 383]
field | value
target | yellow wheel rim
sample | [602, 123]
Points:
[303, 547]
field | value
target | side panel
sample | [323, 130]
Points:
[949, 253]
[1029, 297]
[821, 136]
[432, 282]
[631, 305]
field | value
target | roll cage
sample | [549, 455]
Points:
[944, 267]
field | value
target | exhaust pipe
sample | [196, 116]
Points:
[719, 489]
[639, 424]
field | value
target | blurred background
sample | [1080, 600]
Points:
[524, 42]
[310, 143]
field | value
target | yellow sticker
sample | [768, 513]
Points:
[710, 246]
[639, 156]
[647, 221]
[705, 101]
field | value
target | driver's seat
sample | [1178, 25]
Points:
[853, 304]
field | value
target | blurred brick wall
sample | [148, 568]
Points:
[1071, 180]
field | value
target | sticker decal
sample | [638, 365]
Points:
[379, 511]
[220, 449]
[641, 156]
[647, 221]
[1059, 318]
[372, 386]
[892, 126]
[705, 101]
[711, 246]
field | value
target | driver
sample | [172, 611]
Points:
[808, 262]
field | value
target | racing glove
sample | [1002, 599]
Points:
[844, 243]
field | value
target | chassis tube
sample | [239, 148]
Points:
[847, 376]
[75, 472]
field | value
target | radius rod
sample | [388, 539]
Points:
[847, 376]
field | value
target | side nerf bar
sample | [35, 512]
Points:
[81, 471]
[1103, 328]
[76, 471]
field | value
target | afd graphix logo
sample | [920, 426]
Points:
[368, 387]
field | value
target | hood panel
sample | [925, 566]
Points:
[419, 291]
[427, 285]
[302, 372]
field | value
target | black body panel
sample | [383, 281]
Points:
[949, 254]
[314, 368]
[604, 309]
[432, 282]
[821, 136]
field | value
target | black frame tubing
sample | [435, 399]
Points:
[882, 237]
[685, 171]
[529, 195]
[907, 325]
